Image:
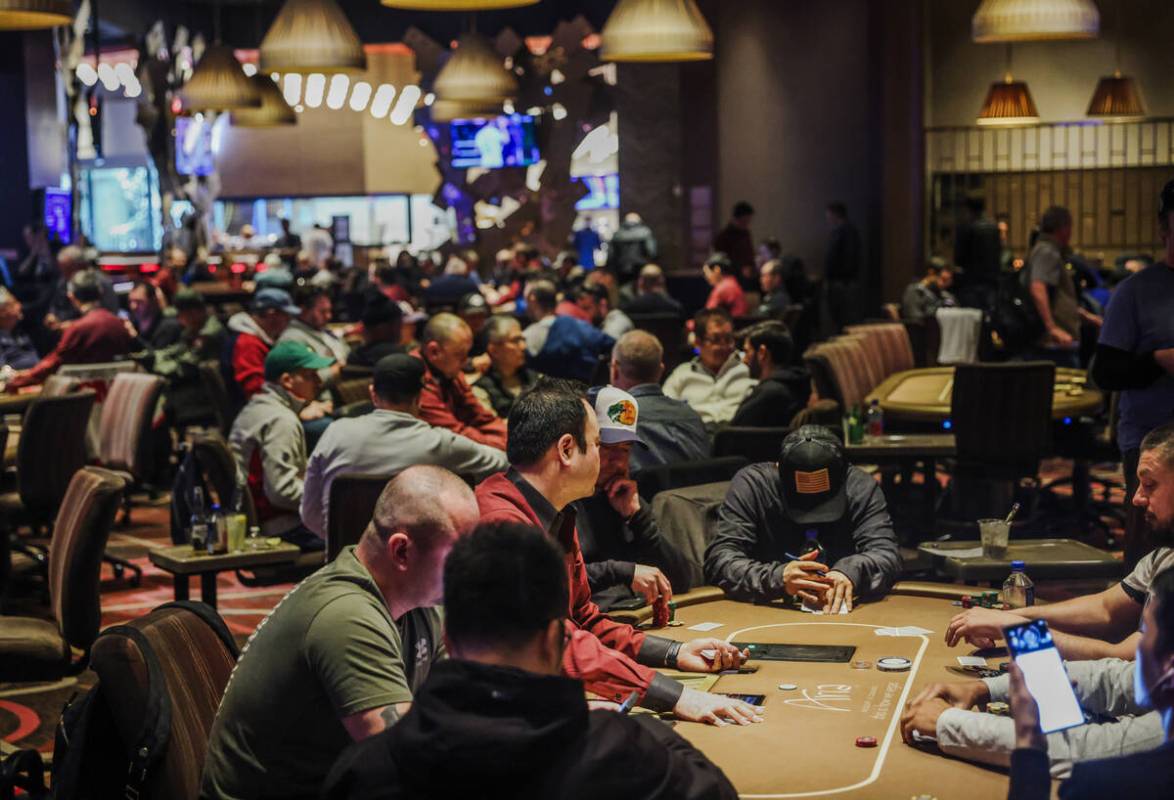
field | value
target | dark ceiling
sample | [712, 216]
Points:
[244, 22]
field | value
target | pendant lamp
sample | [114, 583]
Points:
[312, 36]
[1008, 103]
[448, 110]
[1117, 97]
[1035, 20]
[475, 75]
[457, 5]
[218, 84]
[273, 112]
[656, 30]
[29, 15]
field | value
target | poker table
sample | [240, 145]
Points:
[806, 747]
[923, 395]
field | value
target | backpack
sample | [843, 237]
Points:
[1014, 316]
[91, 761]
[187, 478]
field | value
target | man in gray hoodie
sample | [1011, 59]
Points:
[269, 442]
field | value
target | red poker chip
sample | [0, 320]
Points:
[866, 741]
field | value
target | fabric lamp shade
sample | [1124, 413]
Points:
[448, 110]
[474, 75]
[218, 84]
[656, 30]
[1117, 99]
[1035, 20]
[457, 5]
[312, 36]
[29, 15]
[1008, 103]
[273, 112]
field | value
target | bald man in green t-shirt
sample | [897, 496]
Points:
[341, 655]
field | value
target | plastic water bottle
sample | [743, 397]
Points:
[811, 543]
[876, 419]
[198, 527]
[217, 535]
[1018, 590]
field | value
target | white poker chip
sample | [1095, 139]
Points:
[787, 687]
[893, 664]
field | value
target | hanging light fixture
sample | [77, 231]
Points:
[29, 15]
[457, 5]
[656, 30]
[475, 75]
[1008, 102]
[1035, 20]
[218, 84]
[447, 111]
[1117, 97]
[312, 36]
[272, 113]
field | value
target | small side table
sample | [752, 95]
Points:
[1046, 559]
[182, 562]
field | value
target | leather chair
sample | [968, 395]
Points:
[669, 329]
[195, 654]
[40, 650]
[651, 481]
[753, 444]
[352, 505]
[686, 518]
[219, 470]
[217, 394]
[354, 390]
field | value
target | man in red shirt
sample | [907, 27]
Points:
[95, 337]
[447, 401]
[253, 334]
[554, 453]
[727, 292]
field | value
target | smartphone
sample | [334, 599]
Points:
[752, 699]
[1034, 651]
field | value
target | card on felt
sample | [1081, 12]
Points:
[705, 626]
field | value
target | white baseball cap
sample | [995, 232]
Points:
[617, 412]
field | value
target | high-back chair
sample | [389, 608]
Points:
[753, 444]
[651, 481]
[669, 329]
[212, 381]
[33, 649]
[219, 470]
[352, 505]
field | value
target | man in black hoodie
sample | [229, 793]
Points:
[498, 720]
[782, 391]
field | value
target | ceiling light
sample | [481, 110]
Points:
[86, 73]
[474, 74]
[217, 83]
[558, 111]
[1117, 99]
[336, 97]
[292, 88]
[381, 103]
[360, 96]
[133, 89]
[124, 72]
[405, 105]
[1008, 103]
[457, 5]
[656, 30]
[29, 15]
[312, 36]
[249, 68]
[108, 76]
[315, 89]
[274, 110]
[1035, 20]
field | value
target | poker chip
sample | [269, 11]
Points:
[788, 687]
[894, 664]
[861, 665]
[866, 741]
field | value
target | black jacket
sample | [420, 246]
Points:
[776, 399]
[753, 534]
[631, 247]
[500, 397]
[1139, 776]
[842, 262]
[492, 732]
[652, 303]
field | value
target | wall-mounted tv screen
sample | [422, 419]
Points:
[193, 146]
[507, 141]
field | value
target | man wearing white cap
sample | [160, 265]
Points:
[626, 555]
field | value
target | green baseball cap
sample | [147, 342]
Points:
[290, 356]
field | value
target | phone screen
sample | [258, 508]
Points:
[1034, 651]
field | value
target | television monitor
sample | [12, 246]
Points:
[58, 214]
[603, 192]
[506, 141]
[193, 146]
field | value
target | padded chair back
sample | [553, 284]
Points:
[212, 381]
[59, 386]
[669, 329]
[352, 505]
[844, 369]
[821, 412]
[195, 655]
[75, 552]
[753, 444]
[651, 481]
[52, 447]
[350, 391]
[219, 468]
[889, 343]
[1002, 416]
[127, 417]
[686, 519]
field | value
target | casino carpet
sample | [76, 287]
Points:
[28, 712]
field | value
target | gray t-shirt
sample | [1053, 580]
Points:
[328, 650]
[1140, 319]
[1138, 583]
[1046, 263]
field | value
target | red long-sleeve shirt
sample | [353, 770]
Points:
[600, 652]
[450, 403]
[248, 362]
[96, 337]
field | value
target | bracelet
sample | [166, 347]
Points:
[670, 657]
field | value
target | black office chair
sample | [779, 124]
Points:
[651, 481]
[753, 444]
[352, 505]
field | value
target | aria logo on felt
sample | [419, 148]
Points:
[622, 413]
[816, 482]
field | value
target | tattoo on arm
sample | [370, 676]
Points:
[390, 715]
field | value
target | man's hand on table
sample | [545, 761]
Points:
[710, 655]
[806, 579]
[715, 709]
[981, 627]
[650, 583]
[839, 593]
[922, 712]
[922, 719]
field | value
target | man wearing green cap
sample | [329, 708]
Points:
[270, 444]
[202, 339]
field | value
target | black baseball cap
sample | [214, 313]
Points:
[380, 310]
[814, 476]
[398, 373]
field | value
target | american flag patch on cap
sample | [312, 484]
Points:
[816, 482]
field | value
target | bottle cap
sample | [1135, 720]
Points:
[1017, 566]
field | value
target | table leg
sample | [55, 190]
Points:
[181, 586]
[208, 588]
